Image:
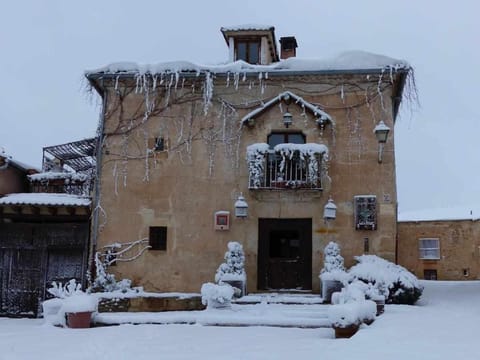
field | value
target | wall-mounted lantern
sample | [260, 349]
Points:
[381, 133]
[287, 119]
[330, 210]
[241, 207]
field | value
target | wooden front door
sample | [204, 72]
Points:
[285, 254]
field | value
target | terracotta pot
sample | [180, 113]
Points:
[79, 320]
[345, 332]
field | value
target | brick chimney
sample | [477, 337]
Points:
[288, 47]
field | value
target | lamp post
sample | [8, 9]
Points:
[287, 119]
[381, 133]
[241, 207]
[330, 210]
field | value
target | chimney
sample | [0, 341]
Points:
[288, 47]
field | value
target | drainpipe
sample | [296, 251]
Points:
[97, 188]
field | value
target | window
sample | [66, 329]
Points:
[289, 172]
[429, 249]
[159, 144]
[365, 212]
[430, 274]
[248, 50]
[158, 238]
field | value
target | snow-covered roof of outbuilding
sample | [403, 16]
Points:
[53, 175]
[47, 199]
[18, 164]
[351, 61]
[441, 214]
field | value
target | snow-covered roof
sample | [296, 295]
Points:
[44, 199]
[52, 175]
[247, 27]
[295, 99]
[347, 61]
[18, 164]
[440, 214]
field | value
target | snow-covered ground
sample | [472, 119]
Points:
[444, 325]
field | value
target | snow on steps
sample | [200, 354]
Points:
[262, 314]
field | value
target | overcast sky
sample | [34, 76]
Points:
[45, 46]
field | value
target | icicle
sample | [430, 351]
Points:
[244, 76]
[342, 94]
[116, 82]
[154, 85]
[236, 80]
[379, 90]
[228, 80]
[177, 77]
[207, 92]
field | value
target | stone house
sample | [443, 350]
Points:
[440, 244]
[184, 148]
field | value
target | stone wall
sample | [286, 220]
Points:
[203, 170]
[459, 248]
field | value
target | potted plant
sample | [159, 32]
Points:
[217, 296]
[71, 306]
[333, 274]
[78, 310]
[350, 309]
[232, 271]
[345, 319]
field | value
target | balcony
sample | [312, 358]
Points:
[286, 166]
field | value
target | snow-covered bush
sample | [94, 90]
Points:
[333, 263]
[105, 282]
[232, 271]
[63, 291]
[256, 163]
[352, 292]
[352, 313]
[234, 266]
[217, 296]
[403, 287]
[69, 298]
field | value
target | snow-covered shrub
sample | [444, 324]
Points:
[403, 287]
[69, 298]
[105, 282]
[63, 291]
[234, 266]
[333, 263]
[256, 163]
[351, 313]
[217, 296]
[353, 292]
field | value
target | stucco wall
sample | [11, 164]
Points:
[182, 190]
[459, 248]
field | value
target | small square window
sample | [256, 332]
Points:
[159, 144]
[430, 274]
[429, 249]
[158, 238]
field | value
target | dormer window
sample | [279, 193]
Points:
[248, 51]
[254, 44]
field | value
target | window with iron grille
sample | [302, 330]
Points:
[158, 238]
[429, 249]
[365, 210]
